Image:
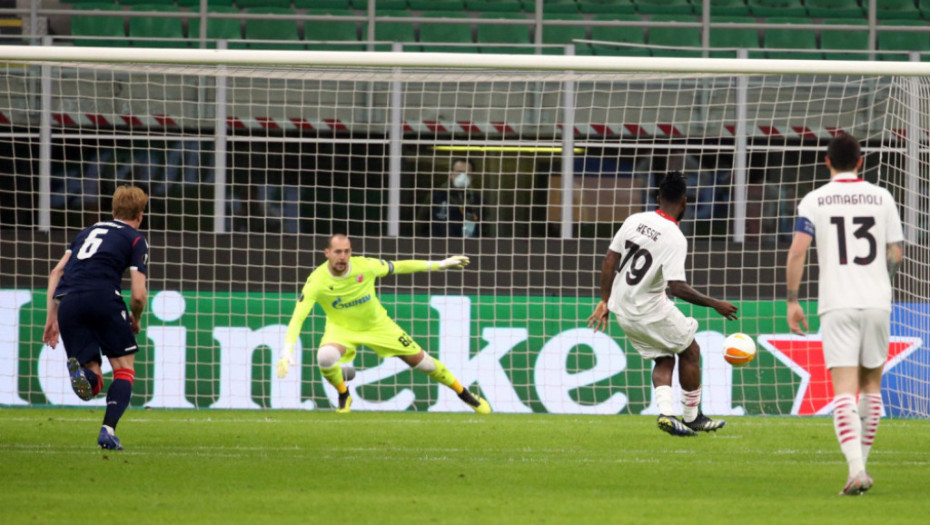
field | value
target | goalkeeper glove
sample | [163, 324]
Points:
[456, 261]
[287, 359]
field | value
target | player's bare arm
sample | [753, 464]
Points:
[794, 270]
[685, 292]
[137, 299]
[895, 256]
[50, 334]
[598, 320]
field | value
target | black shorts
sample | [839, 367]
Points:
[95, 322]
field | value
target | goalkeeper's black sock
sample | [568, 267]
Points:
[467, 397]
[343, 397]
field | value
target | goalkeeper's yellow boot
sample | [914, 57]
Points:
[345, 403]
[477, 404]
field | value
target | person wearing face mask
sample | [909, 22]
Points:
[454, 208]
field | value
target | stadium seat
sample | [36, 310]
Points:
[495, 6]
[251, 4]
[552, 6]
[686, 40]
[339, 5]
[924, 6]
[144, 28]
[777, 8]
[102, 30]
[663, 7]
[163, 3]
[436, 5]
[381, 5]
[459, 34]
[781, 39]
[331, 35]
[280, 30]
[562, 35]
[617, 7]
[402, 32]
[901, 40]
[834, 8]
[229, 29]
[503, 34]
[723, 7]
[845, 40]
[625, 35]
[735, 38]
[896, 10]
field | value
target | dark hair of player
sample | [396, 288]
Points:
[471, 165]
[672, 187]
[128, 202]
[844, 152]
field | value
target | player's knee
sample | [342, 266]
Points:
[426, 365]
[327, 356]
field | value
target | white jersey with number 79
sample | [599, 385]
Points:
[652, 252]
[852, 222]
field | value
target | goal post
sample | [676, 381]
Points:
[253, 158]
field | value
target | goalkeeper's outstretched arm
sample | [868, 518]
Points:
[301, 311]
[414, 266]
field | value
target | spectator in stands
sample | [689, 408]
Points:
[454, 208]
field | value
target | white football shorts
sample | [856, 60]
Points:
[856, 336]
[662, 337]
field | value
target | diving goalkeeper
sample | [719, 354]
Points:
[345, 288]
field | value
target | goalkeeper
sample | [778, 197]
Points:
[345, 288]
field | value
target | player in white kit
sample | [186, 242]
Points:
[646, 257]
[858, 233]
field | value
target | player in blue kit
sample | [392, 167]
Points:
[86, 308]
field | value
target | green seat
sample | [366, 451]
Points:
[777, 8]
[495, 6]
[617, 7]
[162, 3]
[252, 4]
[392, 32]
[339, 5]
[196, 3]
[664, 7]
[901, 40]
[562, 35]
[685, 40]
[436, 5]
[101, 30]
[229, 29]
[143, 29]
[924, 7]
[782, 39]
[735, 38]
[332, 35]
[432, 35]
[723, 8]
[623, 35]
[552, 6]
[503, 34]
[834, 8]
[845, 40]
[282, 31]
[896, 10]
[381, 5]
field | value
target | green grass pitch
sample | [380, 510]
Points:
[322, 467]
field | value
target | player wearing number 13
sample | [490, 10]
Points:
[859, 236]
[345, 288]
[86, 308]
[646, 257]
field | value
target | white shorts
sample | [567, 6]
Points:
[856, 337]
[663, 337]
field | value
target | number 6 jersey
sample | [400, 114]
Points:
[852, 222]
[99, 256]
[652, 252]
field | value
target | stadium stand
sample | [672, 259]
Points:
[902, 41]
[503, 34]
[680, 39]
[776, 41]
[339, 5]
[327, 35]
[628, 35]
[381, 5]
[252, 4]
[402, 32]
[229, 29]
[845, 40]
[617, 7]
[281, 30]
[436, 5]
[777, 8]
[924, 6]
[723, 8]
[834, 8]
[553, 6]
[735, 38]
[458, 34]
[494, 6]
[99, 30]
[143, 29]
[896, 10]
[664, 7]
[562, 35]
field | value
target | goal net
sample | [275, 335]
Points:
[253, 159]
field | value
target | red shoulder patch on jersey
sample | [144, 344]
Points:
[135, 241]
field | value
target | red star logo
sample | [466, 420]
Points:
[359, 278]
[804, 355]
